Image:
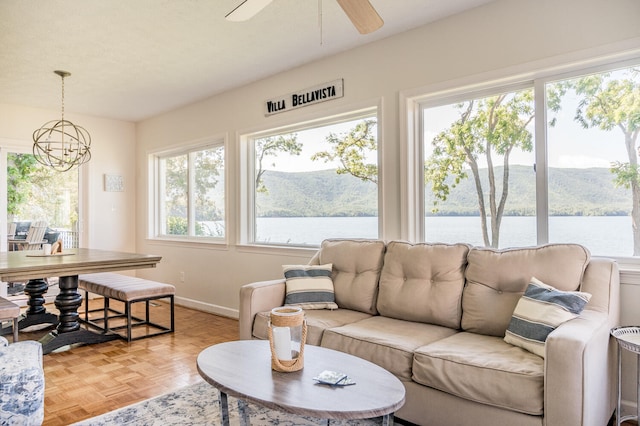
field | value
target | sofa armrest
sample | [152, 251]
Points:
[258, 297]
[580, 368]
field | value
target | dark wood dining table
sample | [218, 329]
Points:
[34, 267]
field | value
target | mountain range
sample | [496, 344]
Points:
[572, 192]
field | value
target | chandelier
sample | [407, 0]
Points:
[60, 144]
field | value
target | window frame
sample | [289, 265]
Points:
[156, 186]
[413, 103]
[448, 99]
[247, 219]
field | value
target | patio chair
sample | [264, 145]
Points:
[35, 236]
[22, 228]
[11, 230]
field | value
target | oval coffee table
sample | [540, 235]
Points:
[242, 369]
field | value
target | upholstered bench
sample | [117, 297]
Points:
[128, 290]
[10, 311]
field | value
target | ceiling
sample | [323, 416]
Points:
[132, 59]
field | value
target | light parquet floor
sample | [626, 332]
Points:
[90, 380]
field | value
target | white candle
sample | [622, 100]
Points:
[282, 342]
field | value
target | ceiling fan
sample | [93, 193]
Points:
[361, 13]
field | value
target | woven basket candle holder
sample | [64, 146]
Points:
[287, 336]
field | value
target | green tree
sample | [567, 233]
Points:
[352, 149]
[176, 194]
[208, 166]
[271, 147]
[20, 167]
[37, 192]
[488, 127]
[614, 103]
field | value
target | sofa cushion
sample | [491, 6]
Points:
[309, 286]
[484, 369]
[356, 270]
[497, 278]
[317, 322]
[387, 342]
[423, 282]
[540, 310]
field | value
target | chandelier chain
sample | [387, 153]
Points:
[62, 98]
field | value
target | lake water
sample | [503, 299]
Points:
[603, 235]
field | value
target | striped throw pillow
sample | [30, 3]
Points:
[309, 286]
[540, 310]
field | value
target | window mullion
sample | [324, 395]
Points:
[191, 196]
[541, 165]
[161, 204]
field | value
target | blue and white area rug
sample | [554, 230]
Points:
[198, 405]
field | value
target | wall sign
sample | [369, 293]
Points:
[310, 96]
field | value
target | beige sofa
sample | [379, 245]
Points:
[435, 315]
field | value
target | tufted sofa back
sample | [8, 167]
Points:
[458, 286]
[423, 282]
[497, 278]
[356, 271]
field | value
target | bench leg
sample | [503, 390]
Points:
[127, 315]
[86, 306]
[106, 315]
[15, 329]
[130, 320]
[173, 320]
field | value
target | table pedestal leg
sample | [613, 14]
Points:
[36, 313]
[68, 301]
[68, 332]
[387, 420]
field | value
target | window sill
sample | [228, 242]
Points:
[629, 270]
[204, 243]
[305, 252]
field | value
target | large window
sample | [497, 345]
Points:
[478, 173]
[592, 143]
[313, 182]
[489, 180]
[190, 193]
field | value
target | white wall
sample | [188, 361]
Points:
[110, 216]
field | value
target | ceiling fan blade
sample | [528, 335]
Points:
[362, 14]
[247, 10]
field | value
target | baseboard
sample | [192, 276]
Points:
[207, 307]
